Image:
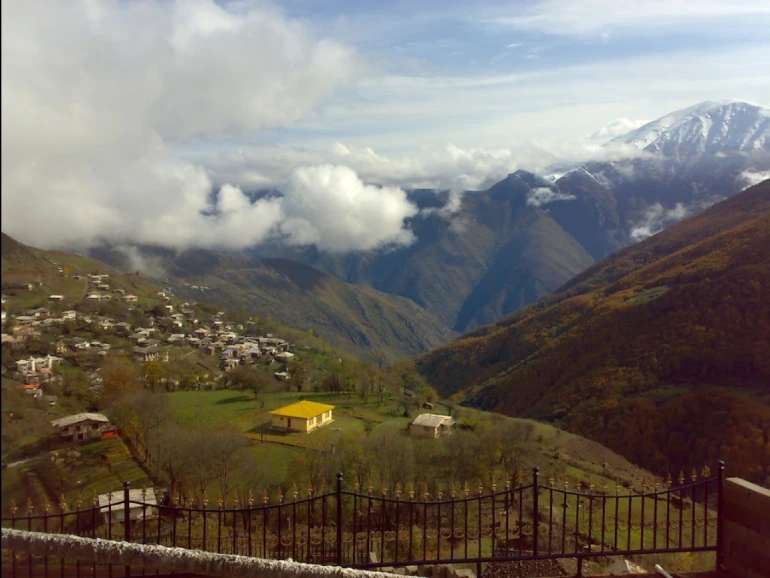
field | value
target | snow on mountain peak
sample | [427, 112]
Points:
[709, 127]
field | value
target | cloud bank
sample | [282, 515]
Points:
[96, 95]
[657, 217]
[751, 178]
[543, 195]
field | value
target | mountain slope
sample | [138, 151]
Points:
[364, 321]
[499, 253]
[661, 352]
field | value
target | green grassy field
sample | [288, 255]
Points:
[249, 414]
[105, 465]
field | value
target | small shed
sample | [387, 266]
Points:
[429, 425]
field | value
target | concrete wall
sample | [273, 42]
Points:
[745, 546]
[168, 560]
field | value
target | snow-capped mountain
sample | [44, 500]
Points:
[710, 127]
[686, 161]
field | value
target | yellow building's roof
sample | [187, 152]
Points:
[303, 409]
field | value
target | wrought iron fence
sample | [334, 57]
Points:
[363, 528]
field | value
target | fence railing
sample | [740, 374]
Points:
[358, 527]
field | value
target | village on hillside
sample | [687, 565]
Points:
[164, 331]
[62, 353]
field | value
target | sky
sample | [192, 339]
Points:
[120, 117]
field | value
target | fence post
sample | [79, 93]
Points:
[339, 519]
[126, 513]
[126, 521]
[720, 514]
[535, 513]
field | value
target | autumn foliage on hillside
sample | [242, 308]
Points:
[662, 352]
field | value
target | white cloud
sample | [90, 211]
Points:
[329, 206]
[603, 17]
[754, 178]
[617, 127]
[150, 266]
[94, 93]
[543, 195]
[657, 217]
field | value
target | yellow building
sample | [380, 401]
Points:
[303, 416]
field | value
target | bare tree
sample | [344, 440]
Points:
[315, 463]
[226, 446]
[179, 456]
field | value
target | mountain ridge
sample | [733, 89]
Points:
[523, 237]
[674, 323]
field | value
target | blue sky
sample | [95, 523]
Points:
[120, 116]
[494, 74]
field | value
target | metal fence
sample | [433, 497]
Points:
[363, 528]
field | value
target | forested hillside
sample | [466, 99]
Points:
[662, 352]
[360, 320]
